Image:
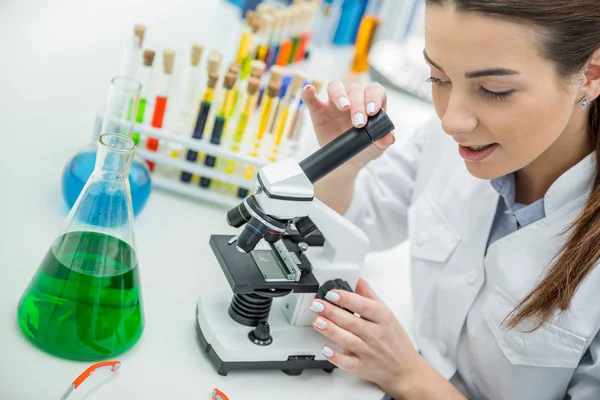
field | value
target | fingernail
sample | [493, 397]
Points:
[327, 352]
[317, 307]
[320, 323]
[343, 101]
[359, 119]
[307, 86]
[332, 296]
[371, 108]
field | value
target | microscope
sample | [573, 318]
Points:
[291, 249]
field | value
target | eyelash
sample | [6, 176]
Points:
[486, 93]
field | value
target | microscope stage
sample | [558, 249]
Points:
[245, 277]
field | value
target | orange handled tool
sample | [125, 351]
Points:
[112, 365]
[218, 395]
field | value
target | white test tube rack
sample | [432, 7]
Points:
[174, 184]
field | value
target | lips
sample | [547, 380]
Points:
[477, 153]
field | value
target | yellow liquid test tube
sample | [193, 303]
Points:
[263, 36]
[239, 129]
[289, 105]
[265, 116]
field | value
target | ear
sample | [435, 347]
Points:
[591, 87]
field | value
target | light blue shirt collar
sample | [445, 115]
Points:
[525, 214]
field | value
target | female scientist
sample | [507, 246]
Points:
[500, 201]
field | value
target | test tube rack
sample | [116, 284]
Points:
[171, 183]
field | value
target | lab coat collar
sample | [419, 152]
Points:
[573, 184]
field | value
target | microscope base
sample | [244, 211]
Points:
[294, 348]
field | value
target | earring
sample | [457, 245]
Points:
[585, 103]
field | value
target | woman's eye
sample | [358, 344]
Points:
[436, 81]
[495, 95]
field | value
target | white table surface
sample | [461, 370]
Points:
[56, 59]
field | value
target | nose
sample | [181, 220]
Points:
[458, 118]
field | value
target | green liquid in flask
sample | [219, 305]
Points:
[84, 302]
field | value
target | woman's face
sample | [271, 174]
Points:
[491, 87]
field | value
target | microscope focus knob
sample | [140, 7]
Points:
[261, 335]
[334, 284]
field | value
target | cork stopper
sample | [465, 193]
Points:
[230, 79]
[297, 81]
[149, 57]
[168, 61]
[253, 86]
[216, 53]
[214, 62]
[265, 8]
[276, 74]
[318, 84]
[197, 50]
[250, 17]
[140, 31]
[234, 68]
[253, 20]
[266, 23]
[258, 68]
[285, 16]
[273, 90]
[296, 14]
[213, 79]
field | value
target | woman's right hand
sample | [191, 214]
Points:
[347, 107]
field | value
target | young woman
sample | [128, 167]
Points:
[500, 200]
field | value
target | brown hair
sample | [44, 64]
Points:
[570, 35]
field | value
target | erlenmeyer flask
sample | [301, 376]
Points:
[84, 302]
[119, 113]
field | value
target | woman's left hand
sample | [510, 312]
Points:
[376, 347]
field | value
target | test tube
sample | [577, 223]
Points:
[265, 116]
[131, 57]
[285, 48]
[262, 37]
[246, 38]
[234, 69]
[288, 108]
[294, 132]
[145, 77]
[309, 11]
[297, 16]
[205, 106]
[220, 123]
[238, 126]
[162, 95]
[217, 57]
[268, 108]
[192, 81]
[364, 38]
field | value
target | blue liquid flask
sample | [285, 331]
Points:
[79, 169]
[120, 108]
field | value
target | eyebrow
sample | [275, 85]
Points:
[476, 74]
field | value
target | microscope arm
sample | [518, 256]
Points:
[345, 243]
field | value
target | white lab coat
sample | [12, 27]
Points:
[422, 191]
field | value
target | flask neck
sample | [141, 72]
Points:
[114, 155]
